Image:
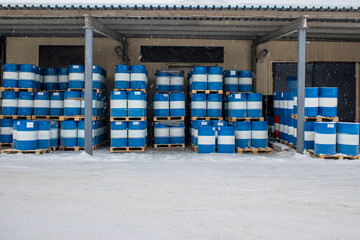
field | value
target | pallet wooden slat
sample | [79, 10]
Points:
[207, 91]
[166, 146]
[247, 119]
[228, 93]
[255, 150]
[6, 145]
[207, 118]
[127, 149]
[2, 89]
[38, 117]
[77, 148]
[36, 152]
[318, 118]
[336, 157]
[171, 118]
[127, 119]
[79, 118]
[130, 89]
[82, 90]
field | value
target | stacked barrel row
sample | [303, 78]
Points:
[169, 109]
[224, 136]
[128, 107]
[242, 105]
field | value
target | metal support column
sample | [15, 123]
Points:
[89, 32]
[301, 90]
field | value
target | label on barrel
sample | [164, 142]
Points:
[40, 93]
[118, 123]
[137, 93]
[56, 94]
[135, 123]
[238, 96]
[330, 125]
[232, 72]
[29, 125]
[117, 93]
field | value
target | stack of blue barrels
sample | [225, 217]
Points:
[169, 109]
[243, 105]
[128, 108]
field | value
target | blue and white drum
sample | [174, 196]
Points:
[295, 132]
[42, 103]
[245, 81]
[214, 105]
[63, 78]
[177, 134]
[281, 128]
[309, 135]
[161, 133]
[254, 105]
[226, 140]
[215, 78]
[118, 104]
[137, 133]
[76, 76]
[26, 104]
[206, 139]
[54, 134]
[122, 76]
[14, 132]
[177, 104]
[6, 131]
[81, 133]
[199, 78]
[325, 138]
[68, 133]
[162, 81]
[198, 105]
[26, 136]
[311, 102]
[137, 104]
[138, 77]
[177, 81]
[10, 75]
[43, 134]
[195, 129]
[97, 77]
[328, 101]
[259, 134]
[51, 81]
[56, 103]
[119, 134]
[237, 105]
[231, 81]
[295, 101]
[161, 105]
[39, 79]
[276, 104]
[72, 103]
[9, 103]
[27, 76]
[290, 105]
[347, 138]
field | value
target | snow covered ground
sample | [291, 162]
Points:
[178, 195]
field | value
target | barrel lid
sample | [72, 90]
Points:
[230, 73]
[27, 68]
[162, 73]
[11, 67]
[138, 69]
[63, 71]
[122, 68]
[199, 70]
[245, 73]
[50, 71]
[215, 70]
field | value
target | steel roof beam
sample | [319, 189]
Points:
[283, 31]
[103, 29]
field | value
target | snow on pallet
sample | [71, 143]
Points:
[174, 146]
[247, 119]
[286, 143]
[255, 150]
[171, 118]
[318, 118]
[2, 89]
[207, 91]
[207, 118]
[127, 119]
[130, 89]
[15, 151]
[336, 157]
[127, 149]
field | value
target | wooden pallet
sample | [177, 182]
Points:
[2, 89]
[79, 118]
[2, 145]
[15, 117]
[228, 93]
[247, 119]
[207, 118]
[54, 148]
[130, 89]
[207, 91]
[83, 89]
[77, 148]
[170, 92]
[127, 119]
[53, 90]
[336, 157]
[194, 147]
[127, 149]
[36, 152]
[167, 146]
[318, 118]
[255, 150]
[38, 117]
[6, 116]
[169, 118]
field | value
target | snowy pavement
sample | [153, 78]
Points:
[178, 195]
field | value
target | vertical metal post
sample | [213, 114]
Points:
[89, 31]
[126, 51]
[301, 89]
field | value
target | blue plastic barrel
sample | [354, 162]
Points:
[290, 131]
[177, 104]
[283, 104]
[9, 103]
[226, 105]
[177, 134]
[26, 104]
[226, 140]
[215, 78]
[276, 104]
[195, 129]
[162, 81]
[43, 134]
[68, 133]
[161, 133]
[71, 105]
[231, 81]
[10, 75]
[39, 78]
[76, 76]
[97, 70]
[56, 103]
[245, 81]
[81, 133]
[295, 101]
[118, 104]
[290, 105]
[243, 134]
[26, 135]
[199, 78]
[27, 76]
[286, 126]
[198, 105]
[137, 105]
[6, 131]
[347, 138]
[328, 101]
[217, 123]
[122, 76]
[259, 134]
[254, 105]
[51, 81]
[138, 77]
[214, 105]
[119, 134]
[206, 139]
[42, 103]
[237, 105]
[177, 81]
[325, 138]
[295, 132]
[309, 135]
[137, 133]
[54, 134]
[63, 78]
[311, 102]
[161, 105]
[15, 124]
